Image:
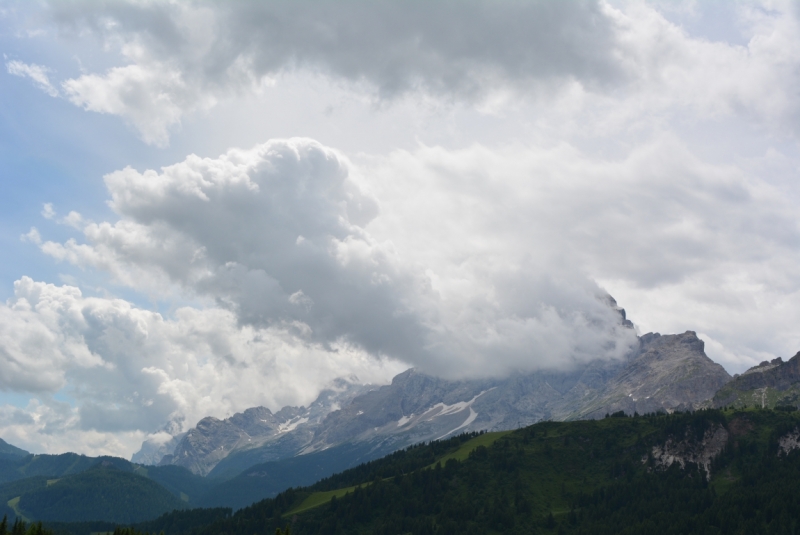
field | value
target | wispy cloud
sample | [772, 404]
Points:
[36, 73]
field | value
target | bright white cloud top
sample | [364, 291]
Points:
[308, 190]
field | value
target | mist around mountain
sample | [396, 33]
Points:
[227, 465]
[663, 373]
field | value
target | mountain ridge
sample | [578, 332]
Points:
[11, 452]
[769, 384]
[663, 373]
[275, 435]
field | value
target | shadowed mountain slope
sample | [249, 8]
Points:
[769, 384]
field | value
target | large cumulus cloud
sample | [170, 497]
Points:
[277, 235]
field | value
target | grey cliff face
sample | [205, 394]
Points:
[688, 449]
[393, 409]
[666, 373]
[212, 440]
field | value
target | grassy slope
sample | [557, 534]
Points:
[573, 477]
[462, 453]
[10, 494]
[322, 497]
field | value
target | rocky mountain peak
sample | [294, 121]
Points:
[621, 311]
[201, 448]
[665, 373]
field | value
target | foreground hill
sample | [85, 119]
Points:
[63, 487]
[713, 471]
[100, 493]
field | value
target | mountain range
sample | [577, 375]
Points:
[256, 454]
[664, 373]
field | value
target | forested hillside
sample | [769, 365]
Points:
[604, 476]
[9, 452]
[57, 487]
[100, 493]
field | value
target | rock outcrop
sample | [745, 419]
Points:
[687, 449]
[789, 442]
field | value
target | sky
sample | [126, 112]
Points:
[208, 206]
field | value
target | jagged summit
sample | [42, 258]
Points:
[621, 311]
[276, 435]
[666, 372]
[765, 365]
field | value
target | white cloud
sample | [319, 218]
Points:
[37, 73]
[130, 370]
[50, 426]
[623, 64]
[74, 220]
[682, 244]
[151, 98]
[481, 261]
[32, 236]
[47, 211]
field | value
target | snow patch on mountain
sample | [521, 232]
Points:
[469, 420]
[292, 424]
